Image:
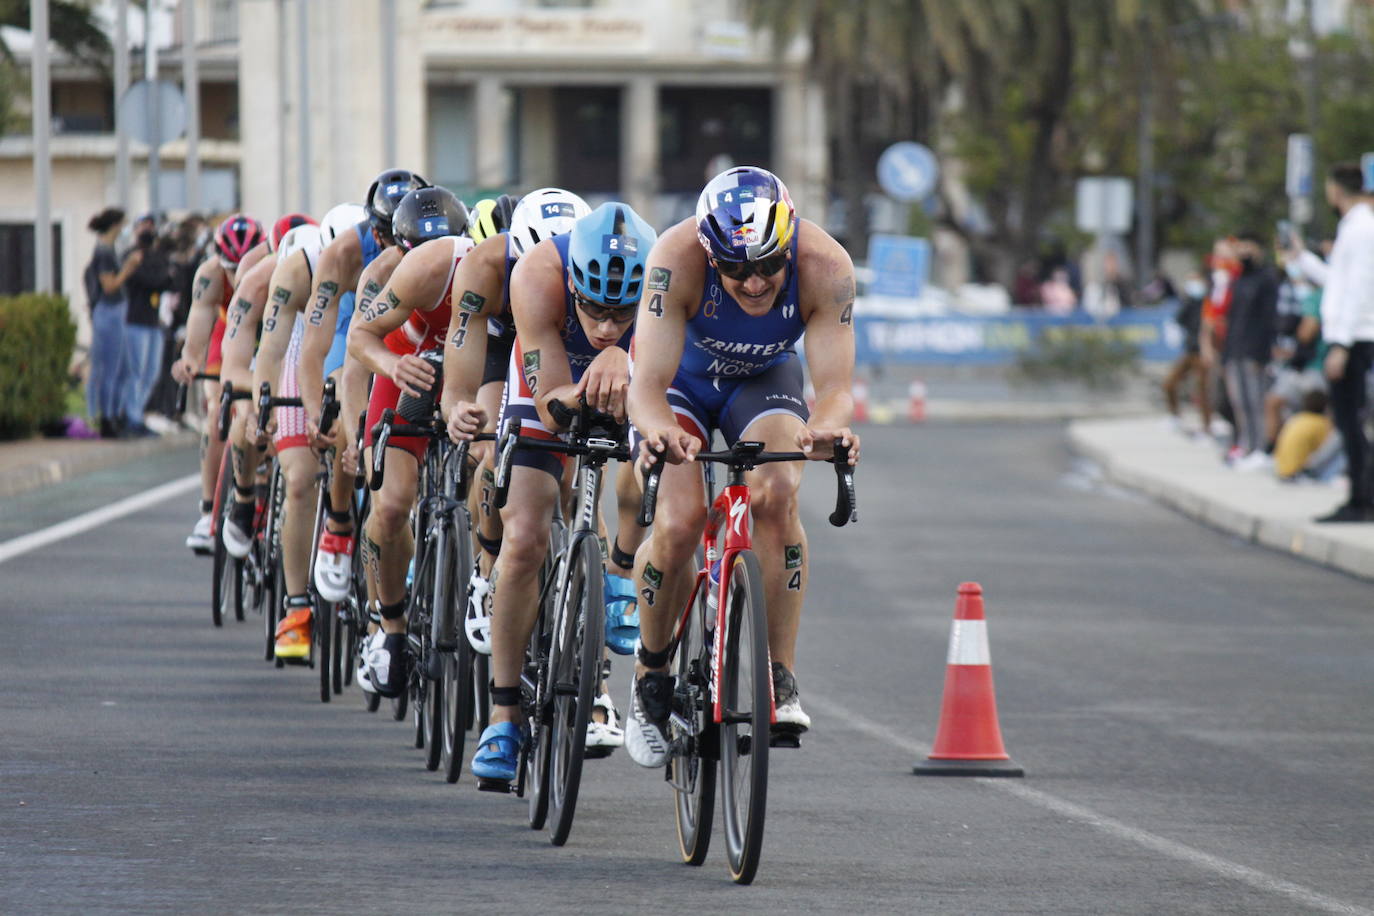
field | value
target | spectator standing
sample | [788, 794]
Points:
[1189, 318]
[105, 277]
[143, 332]
[1347, 314]
[1250, 330]
[1301, 368]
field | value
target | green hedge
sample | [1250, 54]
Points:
[37, 337]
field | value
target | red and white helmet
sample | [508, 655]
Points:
[286, 224]
[236, 236]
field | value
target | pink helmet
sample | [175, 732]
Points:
[236, 236]
[286, 224]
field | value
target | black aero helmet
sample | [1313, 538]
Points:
[427, 213]
[385, 193]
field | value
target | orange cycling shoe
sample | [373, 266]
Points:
[293, 635]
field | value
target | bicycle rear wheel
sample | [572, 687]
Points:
[535, 758]
[575, 670]
[269, 547]
[746, 700]
[322, 631]
[692, 771]
[226, 588]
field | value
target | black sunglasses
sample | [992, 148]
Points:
[597, 312]
[743, 270]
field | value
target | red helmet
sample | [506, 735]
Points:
[286, 224]
[236, 236]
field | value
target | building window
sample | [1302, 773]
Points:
[588, 119]
[452, 153]
[224, 20]
[698, 125]
[16, 258]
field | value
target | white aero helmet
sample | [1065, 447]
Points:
[305, 238]
[543, 214]
[339, 220]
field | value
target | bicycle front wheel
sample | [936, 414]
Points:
[575, 670]
[457, 684]
[746, 700]
[692, 770]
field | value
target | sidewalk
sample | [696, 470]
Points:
[31, 464]
[1146, 454]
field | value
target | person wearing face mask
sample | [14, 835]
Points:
[1250, 331]
[143, 333]
[1189, 362]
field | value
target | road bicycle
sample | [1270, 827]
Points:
[330, 632]
[722, 709]
[447, 678]
[564, 670]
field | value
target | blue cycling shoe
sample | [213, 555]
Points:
[622, 614]
[498, 752]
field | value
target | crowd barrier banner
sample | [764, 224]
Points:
[996, 340]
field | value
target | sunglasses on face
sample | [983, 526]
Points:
[598, 312]
[743, 270]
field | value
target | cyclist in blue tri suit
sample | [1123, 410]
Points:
[715, 349]
[573, 298]
[483, 277]
[322, 356]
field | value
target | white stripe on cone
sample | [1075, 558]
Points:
[968, 643]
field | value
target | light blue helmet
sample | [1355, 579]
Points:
[607, 249]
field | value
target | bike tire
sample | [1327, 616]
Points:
[340, 646]
[321, 631]
[460, 694]
[746, 699]
[693, 772]
[270, 546]
[536, 757]
[575, 669]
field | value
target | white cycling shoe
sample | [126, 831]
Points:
[334, 566]
[477, 620]
[199, 539]
[237, 541]
[604, 737]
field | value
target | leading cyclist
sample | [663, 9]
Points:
[714, 349]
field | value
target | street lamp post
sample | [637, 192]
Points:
[42, 159]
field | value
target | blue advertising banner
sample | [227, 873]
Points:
[990, 341]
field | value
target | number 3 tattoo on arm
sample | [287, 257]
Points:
[326, 294]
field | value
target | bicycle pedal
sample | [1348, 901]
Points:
[785, 736]
[494, 785]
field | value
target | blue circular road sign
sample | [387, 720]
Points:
[908, 171]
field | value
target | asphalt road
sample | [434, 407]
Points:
[1193, 714]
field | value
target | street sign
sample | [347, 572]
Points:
[908, 171]
[137, 116]
[1301, 162]
[1367, 166]
[1103, 205]
[900, 265]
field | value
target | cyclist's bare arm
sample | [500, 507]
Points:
[478, 282]
[335, 273]
[826, 300]
[289, 285]
[674, 275]
[207, 295]
[241, 332]
[418, 283]
[354, 376]
[537, 288]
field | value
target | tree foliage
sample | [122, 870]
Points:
[1024, 97]
[73, 27]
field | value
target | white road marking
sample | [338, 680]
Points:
[97, 517]
[1110, 826]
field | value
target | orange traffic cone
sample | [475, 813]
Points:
[916, 402]
[968, 741]
[860, 391]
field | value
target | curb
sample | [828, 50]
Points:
[75, 457]
[1334, 546]
[893, 412]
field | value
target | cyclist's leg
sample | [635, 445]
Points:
[298, 467]
[526, 517]
[244, 456]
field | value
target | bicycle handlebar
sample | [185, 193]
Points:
[227, 396]
[581, 422]
[745, 456]
[329, 407]
[386, 427]
[179, 405]
[266, 402]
